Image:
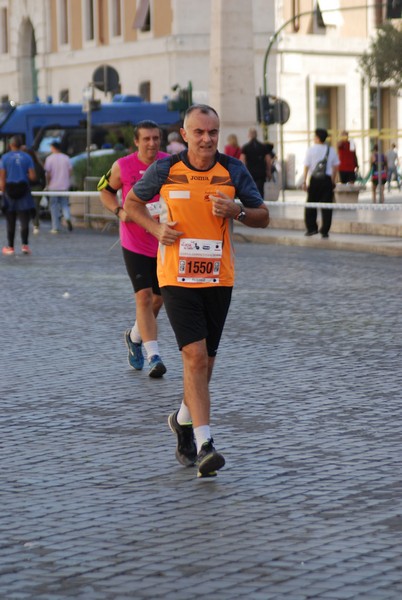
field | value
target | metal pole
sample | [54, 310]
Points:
[274, 37]
[190, 93]
[379, 144]
[283, 170]
[89, 132]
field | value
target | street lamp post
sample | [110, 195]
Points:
[274, 37]
[87, 105]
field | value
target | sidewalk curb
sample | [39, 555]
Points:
[347, 227]
[385, 246]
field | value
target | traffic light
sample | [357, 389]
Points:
[271, 110]
[265, 110]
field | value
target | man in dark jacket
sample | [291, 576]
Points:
[257, 158]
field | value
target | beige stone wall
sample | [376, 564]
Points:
[53, 26]
[129, 8]
[103, 22]
[76, 24]
[163, 18]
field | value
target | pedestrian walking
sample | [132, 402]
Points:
[36, 186]
[58, 173]
[348, 163]
[379, 169]
[139, 246]
[319, 177]
[196, 263]
[393, 165]
[16, 172]
[257, 158]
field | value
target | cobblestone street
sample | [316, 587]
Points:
[306, 408]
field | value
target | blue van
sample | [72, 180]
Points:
[40, 123]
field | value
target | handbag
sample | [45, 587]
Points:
[319, 171]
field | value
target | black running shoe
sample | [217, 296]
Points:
[156, 367]
[186, 450]
[209, 461]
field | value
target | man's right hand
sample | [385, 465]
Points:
[166, 235]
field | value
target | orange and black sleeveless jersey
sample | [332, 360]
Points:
[203, 255]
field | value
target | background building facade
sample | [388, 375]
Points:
[51, 49]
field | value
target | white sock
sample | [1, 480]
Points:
[184, 416]
[135, 334]
[202, 435]
[151, 348]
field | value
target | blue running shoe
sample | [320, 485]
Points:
[156, 367]
[135, 355]
[208, 460]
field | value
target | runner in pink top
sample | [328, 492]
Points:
[132, 236]
[139, 247]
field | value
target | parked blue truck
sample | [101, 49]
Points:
[40, 123]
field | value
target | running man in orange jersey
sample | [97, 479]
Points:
[197, 191]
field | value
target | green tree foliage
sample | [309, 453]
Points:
[99, 166]
[383, 61]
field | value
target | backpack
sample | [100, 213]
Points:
[319, 171]
[16, 189]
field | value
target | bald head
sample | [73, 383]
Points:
[204, 109]
[201, 132]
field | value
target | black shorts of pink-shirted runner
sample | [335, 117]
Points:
[142, 271]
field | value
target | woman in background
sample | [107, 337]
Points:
[232, 147]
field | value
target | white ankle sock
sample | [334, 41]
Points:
[202, 435]
[184, 416]
[151, 348]
[135, 334]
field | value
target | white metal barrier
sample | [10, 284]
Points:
[88, 213]
[340, 206]
[330, 205]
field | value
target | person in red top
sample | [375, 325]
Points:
[232, 147]
[347, 159]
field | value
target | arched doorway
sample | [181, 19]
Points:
[27, 73]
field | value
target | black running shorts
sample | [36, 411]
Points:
[142, 271]
[197, 313]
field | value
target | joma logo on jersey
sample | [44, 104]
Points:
[199, 178]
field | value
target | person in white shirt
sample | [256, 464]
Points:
[58, 172]
[320, 188]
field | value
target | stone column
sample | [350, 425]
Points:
[232, 86]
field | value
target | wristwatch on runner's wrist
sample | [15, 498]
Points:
[241, 216]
